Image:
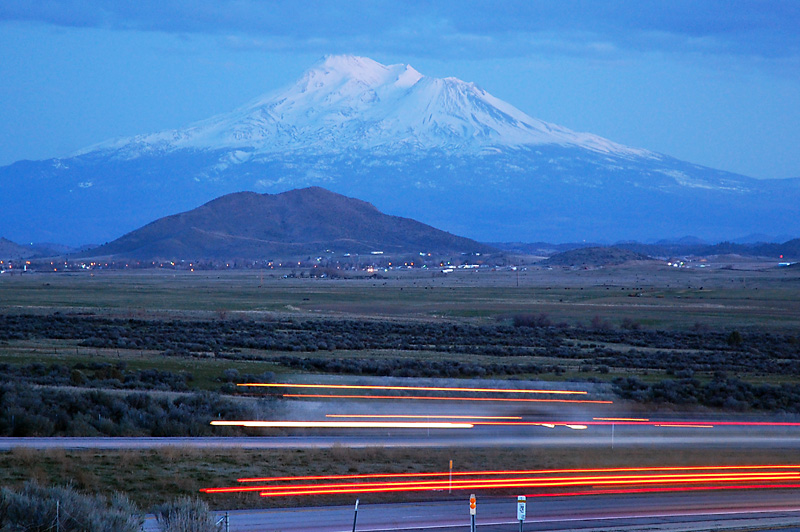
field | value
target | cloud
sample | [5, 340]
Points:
[451, 28]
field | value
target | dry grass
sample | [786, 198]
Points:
[667, 297]
[152, 476]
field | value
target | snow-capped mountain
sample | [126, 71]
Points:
[348, 102]
[441, 151]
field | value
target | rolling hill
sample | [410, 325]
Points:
[311, 221]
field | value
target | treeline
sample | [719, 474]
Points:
[413, 367]
[35, 508]
[597, 342]
[720, 392]
[96, 375]
[754, 359]
[27, 410]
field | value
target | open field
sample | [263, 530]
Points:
[663, 337]
[655, 296]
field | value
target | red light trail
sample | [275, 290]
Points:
[620, 419]
[682, 423]
[669, 478]
[660, 490]
[504, 483]
[524, 472]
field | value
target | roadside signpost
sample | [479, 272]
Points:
[450, 486]
[472, 510]
[521, 510]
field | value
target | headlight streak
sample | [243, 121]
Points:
[345, 424]
[644, 480]
[428, 398]
[473, 421]
[408, 416]
[408, 388]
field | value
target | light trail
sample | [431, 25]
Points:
[408, 388]
[684, 425]
[620, 419]
[670, 489]
[420, 397]
[345, 424]
[529, 482]
[555, 482]
[525, 472]
[546, 481]
[403, 416]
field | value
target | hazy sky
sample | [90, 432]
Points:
[712, 82]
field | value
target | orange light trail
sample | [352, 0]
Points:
[419, 397]
[409, 388]
[523, 472]
[401, 416]
[345, 424]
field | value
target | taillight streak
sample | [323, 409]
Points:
[537, 482]
[506, 483]
[524, 472]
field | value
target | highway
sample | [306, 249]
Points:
[675, 512]
[481, 436]
[549, 426]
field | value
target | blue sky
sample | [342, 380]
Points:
[714, 82]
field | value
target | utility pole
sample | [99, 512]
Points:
[58, 520]
[355, 516]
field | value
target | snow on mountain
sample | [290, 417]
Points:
[441, 151]
[347, 101]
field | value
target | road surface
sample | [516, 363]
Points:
[672, 512]
[717, 438]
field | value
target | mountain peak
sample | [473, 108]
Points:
[347, 102]
[366, 73]
[352, 64]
